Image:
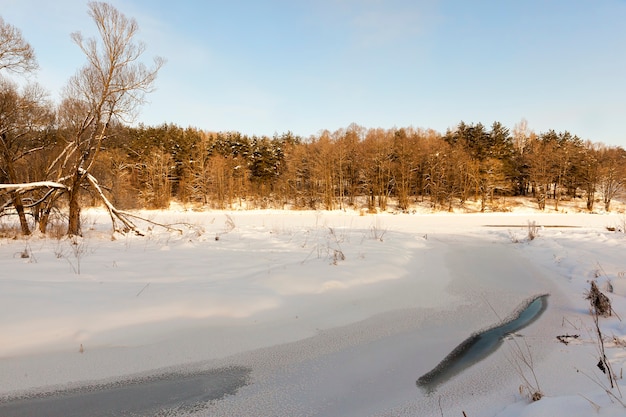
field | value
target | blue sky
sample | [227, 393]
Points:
[265, 67]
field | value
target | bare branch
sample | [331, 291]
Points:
[114, 213]
[16, 55]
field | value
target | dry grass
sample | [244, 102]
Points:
[524, 366]
[600, 303]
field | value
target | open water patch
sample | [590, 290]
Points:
[162, 395]
[480, 345]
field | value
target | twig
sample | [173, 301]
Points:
[570, 323]
[491, 307]
[594, 405]
[144, 287]
[165, 226]
[615, 312]
[309, 255]
[608, 391]
[603, 363]
[525, 358]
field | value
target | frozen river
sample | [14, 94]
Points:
[364, 368]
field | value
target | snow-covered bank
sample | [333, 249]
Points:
[335, 313]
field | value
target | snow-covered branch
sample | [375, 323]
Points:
[29, 186]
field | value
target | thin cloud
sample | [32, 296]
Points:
[376, 23]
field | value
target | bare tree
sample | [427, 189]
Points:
[403, 166]
[23, 114]
[521, 136]
[612, 174]
[324, 166]
[377, 148]
[540, 171]
[589, 171]
[16, 55]
[156, 174]
[107, 90]
[110, 87]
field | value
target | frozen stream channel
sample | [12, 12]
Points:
[361, 369]
[370, 368]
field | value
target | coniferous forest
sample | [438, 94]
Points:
[148, 167]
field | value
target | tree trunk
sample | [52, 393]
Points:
[557, 198]
[19, 207]
[17, 198]
[73, 224]
[43, 210]
[590, 198]
[483, 197]
[43, 221]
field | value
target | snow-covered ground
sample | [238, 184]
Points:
[335, 313]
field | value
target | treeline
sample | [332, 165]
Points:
[352, 167]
